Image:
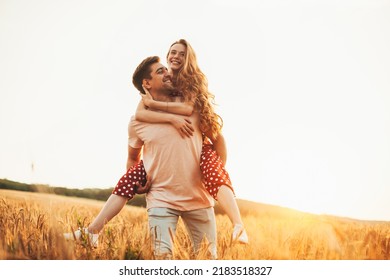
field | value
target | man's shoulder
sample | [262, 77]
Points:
[133, 124]
[132, 120]
[139, 125]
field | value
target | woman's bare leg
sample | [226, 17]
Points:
[111, 208]
[229, 205]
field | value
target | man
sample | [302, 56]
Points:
[172, 164]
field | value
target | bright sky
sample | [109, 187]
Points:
[303, 88]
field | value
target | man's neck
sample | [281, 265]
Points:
[161, 96]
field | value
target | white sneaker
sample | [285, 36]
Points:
[76, 235]
[239, 234]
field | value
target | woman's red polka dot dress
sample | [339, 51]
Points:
[214, 174]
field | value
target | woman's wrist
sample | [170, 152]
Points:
[171, 118]
[149, 103]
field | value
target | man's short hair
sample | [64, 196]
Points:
[143, 71]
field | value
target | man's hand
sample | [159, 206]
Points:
[139, 189]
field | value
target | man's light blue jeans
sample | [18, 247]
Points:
[200, 224]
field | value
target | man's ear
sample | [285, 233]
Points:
[146, 84]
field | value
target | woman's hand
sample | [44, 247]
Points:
[183, 125]
[147, 98]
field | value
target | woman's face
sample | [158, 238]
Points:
[176, 57]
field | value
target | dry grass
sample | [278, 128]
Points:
[31, 227]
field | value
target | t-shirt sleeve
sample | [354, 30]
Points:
[134, 141]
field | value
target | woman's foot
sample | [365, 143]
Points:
[78, 234]
[239, 234]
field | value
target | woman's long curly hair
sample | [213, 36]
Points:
[193, 85]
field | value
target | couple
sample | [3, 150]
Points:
[172, 121]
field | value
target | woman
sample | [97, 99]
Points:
[192, 86]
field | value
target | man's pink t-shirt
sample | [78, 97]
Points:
[172, 163]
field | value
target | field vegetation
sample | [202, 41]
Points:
[31, 227]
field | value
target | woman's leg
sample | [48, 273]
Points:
[218, 184]
[111, 208]
[123, 191]
[228, 203]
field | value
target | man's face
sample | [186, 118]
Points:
[161, 80]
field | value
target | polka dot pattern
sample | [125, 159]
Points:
[126, 185]
[214, 173]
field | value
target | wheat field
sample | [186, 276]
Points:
[31, 227]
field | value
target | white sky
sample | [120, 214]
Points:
[303, 87]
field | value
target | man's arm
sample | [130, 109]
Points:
[133, 156]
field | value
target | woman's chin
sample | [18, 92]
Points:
[175, 68]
